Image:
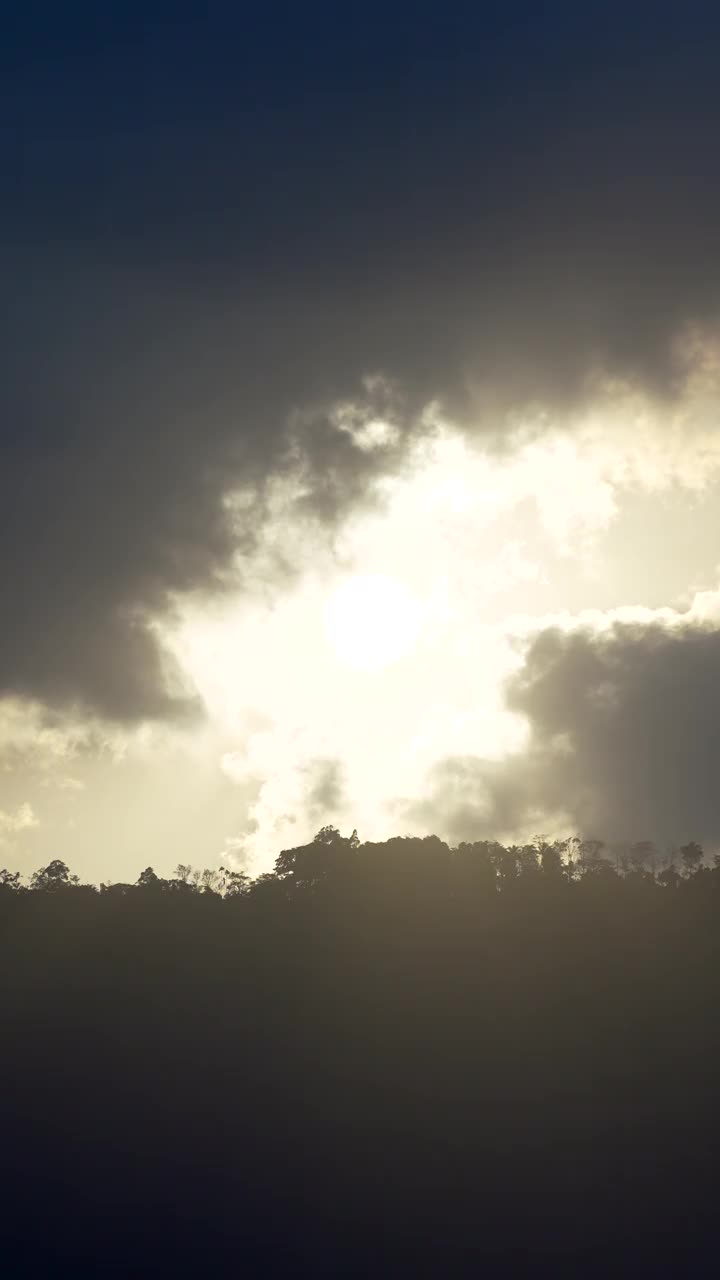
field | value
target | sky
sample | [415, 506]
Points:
[359, 427]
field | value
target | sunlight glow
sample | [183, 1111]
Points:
[331, 694]
[372, 621]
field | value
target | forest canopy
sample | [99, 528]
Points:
[332, 860]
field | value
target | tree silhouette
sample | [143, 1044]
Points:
[52, 878]
[691, 855]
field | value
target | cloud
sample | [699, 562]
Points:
[41, 745]
[185, 281]
[297, 789]
[624, 734]
[11, 824]
[474, 533]
[325, 795]
[140, 467]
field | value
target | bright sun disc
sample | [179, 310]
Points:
[372, 621]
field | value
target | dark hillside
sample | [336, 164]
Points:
[383, 1059]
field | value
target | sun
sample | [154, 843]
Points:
[372, 621]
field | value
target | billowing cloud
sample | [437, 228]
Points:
[296, 791]
[624, 732]
[465, 208]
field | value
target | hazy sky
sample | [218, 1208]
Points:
[360, 426]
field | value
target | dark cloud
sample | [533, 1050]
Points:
[325, 795]
[121, 435]
[466, 798]
[479, 204]
[625, 737]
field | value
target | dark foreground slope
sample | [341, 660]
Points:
[402, 1067]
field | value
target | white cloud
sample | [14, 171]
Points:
[23, 819]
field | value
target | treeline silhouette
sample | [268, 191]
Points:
[382, 1058]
